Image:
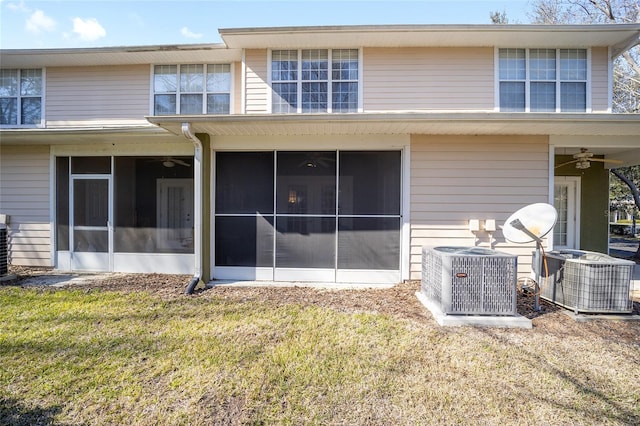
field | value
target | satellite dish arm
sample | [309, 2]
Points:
[519, 226]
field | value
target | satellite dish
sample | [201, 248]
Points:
[530, 223]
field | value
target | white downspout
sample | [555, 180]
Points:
[197, 213]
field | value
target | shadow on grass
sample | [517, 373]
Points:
[14, 413]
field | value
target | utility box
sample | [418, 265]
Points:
[470, 280]
[585, 281]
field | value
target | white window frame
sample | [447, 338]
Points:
[20, 97]
[204, 91]
[528, 80]
[329, 81]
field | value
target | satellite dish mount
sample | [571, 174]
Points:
[531, 223]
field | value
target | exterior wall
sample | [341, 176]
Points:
[458, 178]
[24, 197]
[418, 79]
[77, 96]
[256, 86]
[599, 80]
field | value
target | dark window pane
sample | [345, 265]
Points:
[244, 241]
[164, 104]
[306, 183]
[345, 97]
[190, 104]
[88, 165]
[370, 183]
[8, 111]
[285, 97]
[573, 97]
[31, 110]
[305, 242]
[369, 243]
[62, 203]
[511, 96]
[244, 182]
[218, 104]
[543, 97]
[314, 97]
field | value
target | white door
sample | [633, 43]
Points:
[566, 200]
[91, 237]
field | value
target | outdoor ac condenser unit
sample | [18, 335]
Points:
[470, 280]
[586, 281]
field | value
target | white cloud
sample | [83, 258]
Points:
[38, 22]
[186, 32]
[18, 7]
[88, 29]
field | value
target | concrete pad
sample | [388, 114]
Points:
[600, 317]
[317, 285]
[8, 277]
[517, 321]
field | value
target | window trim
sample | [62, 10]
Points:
[204, 92]
[558, 81]
[329, 81]
[42, 97]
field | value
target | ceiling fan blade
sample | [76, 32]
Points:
[605, 160]
[182, 163]
[564, 164]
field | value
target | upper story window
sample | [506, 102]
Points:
[20, 97]
[192, 89]
[543, 80]
[315, 80]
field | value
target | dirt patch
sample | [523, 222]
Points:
[399, 301]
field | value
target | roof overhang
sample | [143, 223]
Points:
[85, 135]
[126, 55]
[407, 123]
[618, 36]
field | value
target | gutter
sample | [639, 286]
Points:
[196, 281]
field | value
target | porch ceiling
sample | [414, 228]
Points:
[407, 123]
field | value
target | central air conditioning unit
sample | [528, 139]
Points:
[585, 281]
[470, 280]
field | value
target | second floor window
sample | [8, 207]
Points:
[191, 89]
[314, 80]
[543, 80]
[20, 97]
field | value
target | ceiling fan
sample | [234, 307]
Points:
[317, 159]
[584, 158]
[171, 162]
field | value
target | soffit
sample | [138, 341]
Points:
[410, 123]
[131, 55]
[619, 36]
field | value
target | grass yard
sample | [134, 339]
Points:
[87, 356]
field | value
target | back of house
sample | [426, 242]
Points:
[324, 154]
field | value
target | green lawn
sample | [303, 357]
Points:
[72, 357]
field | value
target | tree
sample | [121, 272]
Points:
[626, 72]
[499, 18]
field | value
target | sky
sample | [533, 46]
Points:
[26, 24]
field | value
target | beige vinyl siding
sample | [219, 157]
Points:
[418, 79]
[256, 82]
[458, 178]
[599, 79]
[94, 95]
[236, 90]
[24, 197]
